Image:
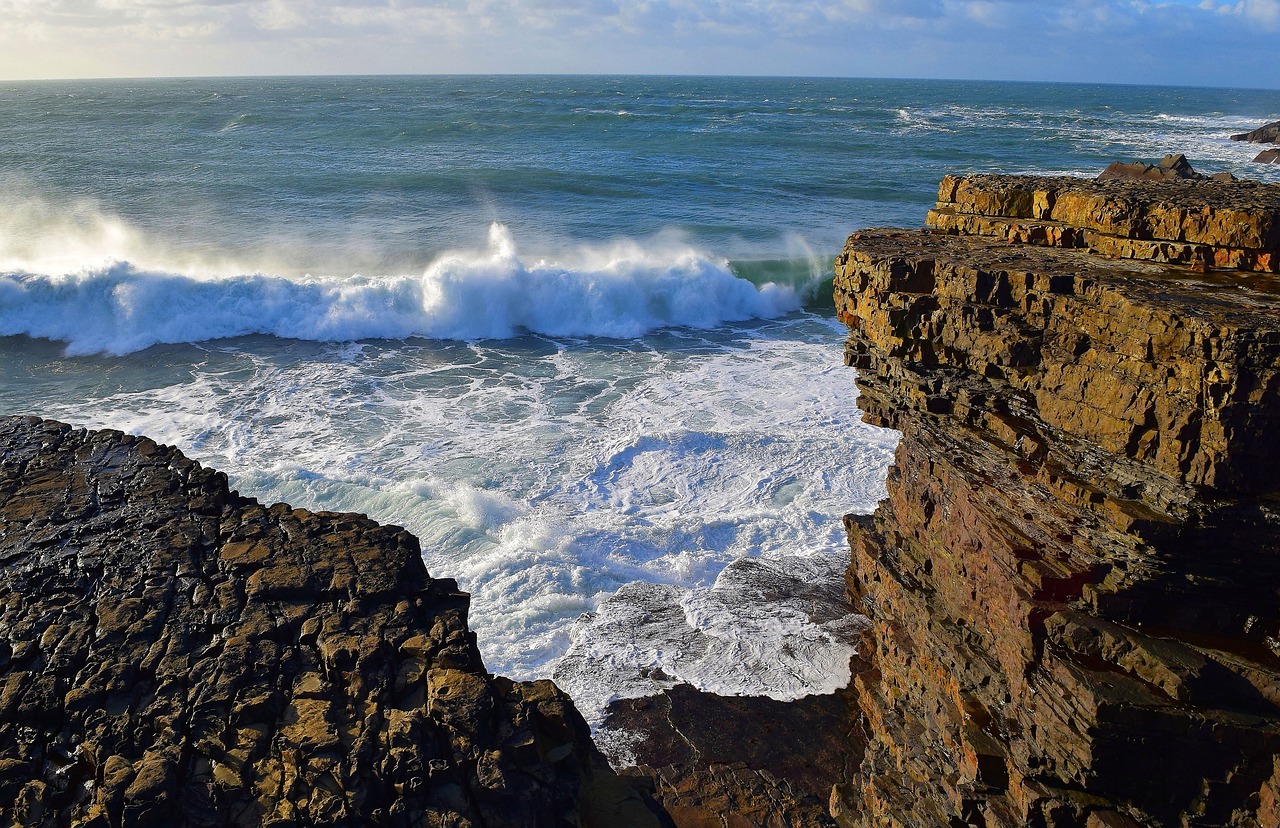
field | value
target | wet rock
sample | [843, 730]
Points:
[175, 654]
[1075, 580]
[1271, 156]
[1266, 134]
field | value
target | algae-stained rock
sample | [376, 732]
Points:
[1075, 580]
[174, 654]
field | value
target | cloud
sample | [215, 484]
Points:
[1195, 41]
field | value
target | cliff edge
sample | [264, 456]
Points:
[1075, 580]
[174, 654]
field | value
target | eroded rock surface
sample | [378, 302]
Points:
[174, 654]
[1075, 580]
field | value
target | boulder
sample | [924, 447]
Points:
[1267, 134]
[1170, 168]
[1271, 156]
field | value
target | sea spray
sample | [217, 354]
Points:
[620, 291]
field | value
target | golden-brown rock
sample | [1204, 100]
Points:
[1075, 580]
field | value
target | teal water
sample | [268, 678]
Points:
[568, 330]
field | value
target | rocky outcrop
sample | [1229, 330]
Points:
[1169, 168]
[1075, 581]
[741, 761]
[1266, 134]
[1271, 156]
[174, 654]
[1205, 224]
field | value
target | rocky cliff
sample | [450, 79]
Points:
[1075, 580]
[174, 654]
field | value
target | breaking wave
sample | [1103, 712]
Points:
[623, 291]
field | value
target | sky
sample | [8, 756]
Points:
[1196, 42]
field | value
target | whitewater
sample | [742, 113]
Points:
[573, 333]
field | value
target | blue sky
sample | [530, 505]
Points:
[1209, 43]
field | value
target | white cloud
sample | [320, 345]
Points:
[1090, 39]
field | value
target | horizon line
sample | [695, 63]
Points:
[674, 75]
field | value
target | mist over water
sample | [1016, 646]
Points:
[571, 332]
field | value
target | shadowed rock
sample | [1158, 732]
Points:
[1266, 134]
[175, 654]
[1271, 156]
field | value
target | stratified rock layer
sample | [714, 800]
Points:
[174, 654]
[1075, 580]
[1206, 224]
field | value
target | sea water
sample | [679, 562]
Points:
[573, 332]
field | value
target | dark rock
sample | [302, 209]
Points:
[1271, 156]
[1075, 580]
[1267, 134]
[175, 654]
[1170, 168]
[754, 760]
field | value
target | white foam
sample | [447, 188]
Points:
[620, 291]
[555, 479]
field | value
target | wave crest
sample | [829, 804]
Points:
[622, 291]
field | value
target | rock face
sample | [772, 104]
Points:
[1075, 580]
[1266, 134]
[174, 654]
[1271, 156]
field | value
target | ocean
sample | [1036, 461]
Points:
[573, 332]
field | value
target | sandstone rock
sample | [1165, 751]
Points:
[1271, 156]
[175, 654]
[1266, 134]
[1074, 580]
[1226, 225]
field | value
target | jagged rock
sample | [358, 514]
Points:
[1170, 168]
[1075, 580]
[1266, 134]
[753, 762]
[1271, 156]
[175, 654]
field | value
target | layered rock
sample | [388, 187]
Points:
[1075, 580]
[1206, 224]
[175, 654]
